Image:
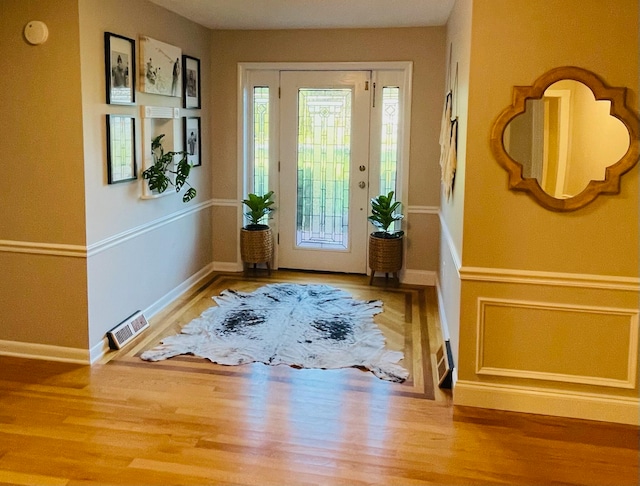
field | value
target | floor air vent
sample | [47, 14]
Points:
[127, 330]
[444, 360]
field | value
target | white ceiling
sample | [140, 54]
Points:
[309, 14]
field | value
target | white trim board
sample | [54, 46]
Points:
[558, 279]
[419, 277]
[422, 209]
[101, 348]
[120, 238]
[82, 251]
[232, 267]
[631, 352]
[226, 202]
[444, 324]
[35, 248]
[534, 277]
[448, 240]
[589, 406]
[45, 352]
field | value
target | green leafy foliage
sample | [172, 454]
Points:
[383, 215]
[157, 175]
[259, 207]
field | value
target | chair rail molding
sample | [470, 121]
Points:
[37, 248]
[558, 279]
[86, 251]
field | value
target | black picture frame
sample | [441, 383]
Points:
[121, 149]
[191, 82]
[120, 69]
[192, 136]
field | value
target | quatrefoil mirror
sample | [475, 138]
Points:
[566, 139]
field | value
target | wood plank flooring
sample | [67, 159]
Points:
[188, 421]
[404, 323]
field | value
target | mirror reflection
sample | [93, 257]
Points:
[566, 139]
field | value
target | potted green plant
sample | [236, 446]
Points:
[256, 237]
[158, 175]
[386, 244]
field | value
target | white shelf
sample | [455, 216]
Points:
[158, 120]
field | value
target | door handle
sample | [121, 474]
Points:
[362, 184]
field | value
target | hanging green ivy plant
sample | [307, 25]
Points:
[158, 175]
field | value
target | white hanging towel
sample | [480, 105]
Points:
[445, 132]
[451, 162]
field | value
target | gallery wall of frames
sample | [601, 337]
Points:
[156, 68]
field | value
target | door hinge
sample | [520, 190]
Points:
[279, 91]
[278, 166]
[373, 97]
[278, 239]
[366, 85]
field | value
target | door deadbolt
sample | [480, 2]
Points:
[362, 184]
[362, 168]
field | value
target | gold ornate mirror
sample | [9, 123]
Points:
[566, 139]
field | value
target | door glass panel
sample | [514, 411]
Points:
[324, 153]
[389, 138]
[260, 139]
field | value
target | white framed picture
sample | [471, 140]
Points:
[121, 149]
[191, 74]
[192, 141]
[119, 59]
[160, 68]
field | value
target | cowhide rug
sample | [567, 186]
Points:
[309, 326]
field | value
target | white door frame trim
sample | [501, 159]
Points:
[245, 67]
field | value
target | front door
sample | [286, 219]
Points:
[324, 170]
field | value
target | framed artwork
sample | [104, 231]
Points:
[121, 148]
[160, 68]
[119, 63]
[192, 141]
[191, 84]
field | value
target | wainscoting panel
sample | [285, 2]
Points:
[549, 343]
[525, 339]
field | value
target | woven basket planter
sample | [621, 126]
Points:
[256, 246]
[385, 255]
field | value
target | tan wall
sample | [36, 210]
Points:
[423, 46]
[41, 123]
[420, 250]
[516, 232]
[560, 269]
[79, 255]
[42, 293]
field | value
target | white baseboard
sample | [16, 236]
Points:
[98, 350]
[419, 277]
[227, 267]
[411, 277]
[444, 323]
[589, 406]
[44, 351]
[169, 297]
[102, 347]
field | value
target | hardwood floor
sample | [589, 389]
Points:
[188, 421]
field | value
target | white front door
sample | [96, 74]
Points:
[324, 170]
